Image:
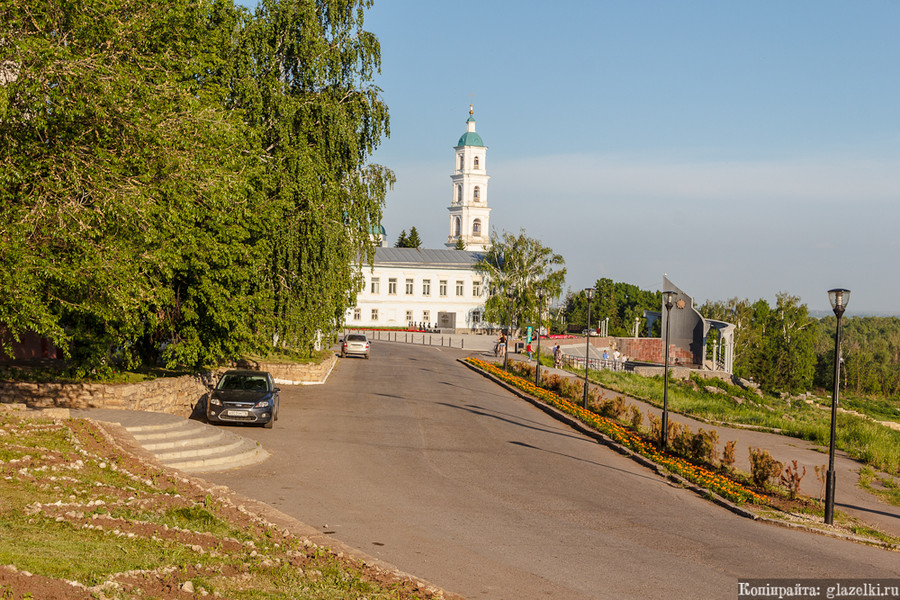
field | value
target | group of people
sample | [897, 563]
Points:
[613, 362]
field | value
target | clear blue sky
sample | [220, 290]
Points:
[743, 148]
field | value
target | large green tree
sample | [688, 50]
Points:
[774, 346]
[619, 302]
[118, 166]
[187, 175]
[515, 267]
[302, 75]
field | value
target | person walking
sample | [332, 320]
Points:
[528, 350]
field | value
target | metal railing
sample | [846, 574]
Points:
[596, 364]
[410, 337]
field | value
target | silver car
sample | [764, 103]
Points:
[355, 343]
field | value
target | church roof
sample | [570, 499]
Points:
[470, 138]
[426, 257]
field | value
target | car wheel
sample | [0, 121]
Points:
[270, 423]
[343, 354]
[367, 357]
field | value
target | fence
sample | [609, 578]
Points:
[412, 337]
[597, 364]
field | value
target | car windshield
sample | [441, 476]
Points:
[244, 382]
[356, 338]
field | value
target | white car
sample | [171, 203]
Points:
[355, 343]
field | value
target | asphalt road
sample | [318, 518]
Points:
[417, 460]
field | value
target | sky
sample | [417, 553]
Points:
[743, 148]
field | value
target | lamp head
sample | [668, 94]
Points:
[589, 293]
[669, 299]
[540, 293]
[839, 298]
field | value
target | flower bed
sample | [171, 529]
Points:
[716, 482]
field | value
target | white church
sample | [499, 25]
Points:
[437, 288]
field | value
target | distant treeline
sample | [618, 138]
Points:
[781, 347]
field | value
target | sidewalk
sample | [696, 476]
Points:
[849, 497]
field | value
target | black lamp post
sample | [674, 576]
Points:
[510, 294]
[537, 366]
[839, 299]
[668, 301]
[587, 346]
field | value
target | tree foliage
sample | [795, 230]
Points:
[186, 175]
[774, 346]
[620, 302]
[412, 240]
[515, 267]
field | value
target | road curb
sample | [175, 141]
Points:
[658, 470]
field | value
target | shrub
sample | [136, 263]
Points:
[613, 408]
[790, 478]
[635, 417]
[763, 467]
[728, 457]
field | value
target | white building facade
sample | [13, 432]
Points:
[436, 288]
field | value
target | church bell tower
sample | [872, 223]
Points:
[469, 211]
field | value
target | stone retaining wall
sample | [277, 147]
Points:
[171, 395]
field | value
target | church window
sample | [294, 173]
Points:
[409, 289]
[458, 226]
[459, 197]
[376, 286]
[476, 289]
[357, 314]
[476, 163]
[426, 287]
[476, 228]
[459, 288]
[462, 162]
[374, 314]
[476, 194]
[442, 288]
[392, 286]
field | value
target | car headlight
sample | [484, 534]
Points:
[262, 403]
[215, 401]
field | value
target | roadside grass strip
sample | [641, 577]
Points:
[710, 480]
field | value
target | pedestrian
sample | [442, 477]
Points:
[528, 350]
[605, 359]
[557, 356]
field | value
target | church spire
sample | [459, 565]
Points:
[469, 211]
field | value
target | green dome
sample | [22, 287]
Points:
[470, 138]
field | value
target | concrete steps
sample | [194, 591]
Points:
[184, 444]
[195, 447]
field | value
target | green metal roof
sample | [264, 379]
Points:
[470, 138]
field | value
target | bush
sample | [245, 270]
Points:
[763, 468]
[635, 417]
[790, 478]
[728, 457]
[613, 408]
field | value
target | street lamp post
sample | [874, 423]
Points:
[587, 347]
[510, 293]
[839, 299]
[537, 366]
[669, 301]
